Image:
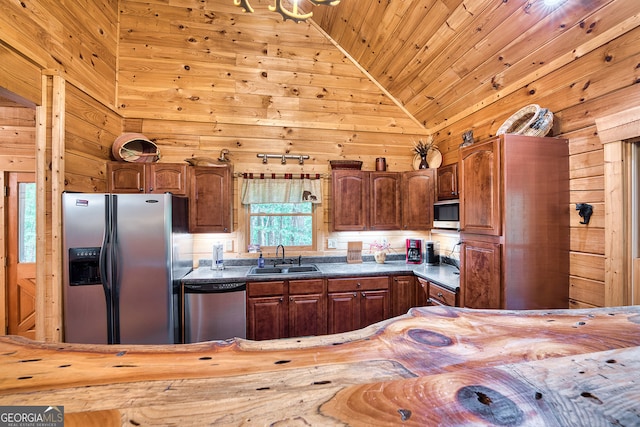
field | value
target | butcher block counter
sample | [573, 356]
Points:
[433, 366]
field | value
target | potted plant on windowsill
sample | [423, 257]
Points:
[422, 148]
[379, 250]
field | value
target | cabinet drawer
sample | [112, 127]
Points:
[262, 289]
[358, 284]
[441, 295]
[309, 286]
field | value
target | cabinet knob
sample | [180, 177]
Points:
[440, 295]
[141, 189]
[290, 298]
[281, 299]
[364, 295]
[358, 285]
[355, 294]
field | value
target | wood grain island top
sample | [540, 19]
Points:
[433, 366]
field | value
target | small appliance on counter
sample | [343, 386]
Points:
[414, 251]
[431, 253]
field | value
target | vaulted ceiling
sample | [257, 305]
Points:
[442, 58]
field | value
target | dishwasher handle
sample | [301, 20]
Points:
[214, 288]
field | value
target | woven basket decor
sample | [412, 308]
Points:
[135, 147]
[530, 120]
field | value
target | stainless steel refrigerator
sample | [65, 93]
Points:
[124, 257]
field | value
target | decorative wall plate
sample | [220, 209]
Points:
[434, 159]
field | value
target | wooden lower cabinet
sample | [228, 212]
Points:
[312, 307]
[354, 303]
[404, 294]
[480, 275]
[307, 308]
[284, 309]
[442, 296]
[266, 310]
[438, 295]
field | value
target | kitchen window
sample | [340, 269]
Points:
[288, 224]
[281, 211]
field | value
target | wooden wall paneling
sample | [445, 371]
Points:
[20, 78]
[49, 292]
[17, 133]
[587, 266]
[587, 291]
[460, 47]
[616, 133]
[90, 129]
[587, 239]
[79, 39]
[521, 53]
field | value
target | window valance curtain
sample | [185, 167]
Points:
[285, 188]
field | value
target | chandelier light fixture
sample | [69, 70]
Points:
[293, 14]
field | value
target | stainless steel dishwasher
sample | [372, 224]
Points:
[214, 311]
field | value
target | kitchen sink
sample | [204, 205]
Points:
[304, 268]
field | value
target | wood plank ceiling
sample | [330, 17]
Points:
[440, 58]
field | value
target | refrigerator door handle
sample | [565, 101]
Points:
[115, 277]
[105, 278]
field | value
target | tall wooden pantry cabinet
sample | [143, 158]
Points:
[514, 220]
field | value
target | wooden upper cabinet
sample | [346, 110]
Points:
[350, 195]
[131, 177]
[448, 182]
[168, 178]
[481, 198]
[418, 195]
[210, 204]
[384, 201]
[126, 177]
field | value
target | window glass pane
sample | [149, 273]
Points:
[280, 208]
[27, 222]
[288, 224]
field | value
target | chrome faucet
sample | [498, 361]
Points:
[277, 248]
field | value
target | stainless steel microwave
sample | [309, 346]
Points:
[446, 214]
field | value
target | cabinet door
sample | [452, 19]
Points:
[480, 275]
[210, 200]
[266, 318]
[422, 297]
[167, 178]
[350, 191]
[343, 312]
[448, 182]
[403, 295]
[384, 201]
[481, 201]
[417, 199]
[307, 308]
[126, 177]
[374, 307]
[307, 315]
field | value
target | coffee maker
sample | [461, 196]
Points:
[431, 253]
[414, 251]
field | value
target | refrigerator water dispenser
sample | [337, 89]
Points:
[84, 266]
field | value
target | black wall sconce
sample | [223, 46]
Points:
[585, 211]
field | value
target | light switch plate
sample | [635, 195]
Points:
[332, 244]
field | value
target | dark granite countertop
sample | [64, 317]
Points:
[443, 274]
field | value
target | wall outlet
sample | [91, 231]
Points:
[228, 246]
[332, 244]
